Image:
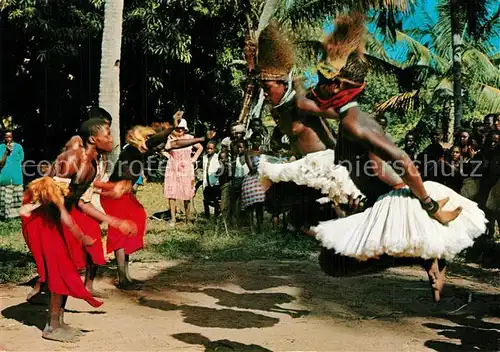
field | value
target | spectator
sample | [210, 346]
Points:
[382, 120]
[179, 175]
[497, 121]
[410, 146]
[462, 140]
[11, 177]
[211, 187]
[225, 183]
[258, 137]
[241, 169]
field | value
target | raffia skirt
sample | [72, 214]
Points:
[397, 225]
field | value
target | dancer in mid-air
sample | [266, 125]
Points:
[405, 218]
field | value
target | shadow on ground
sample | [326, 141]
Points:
[468, 332]
[391, 295]
[35, 314]
[219, 345]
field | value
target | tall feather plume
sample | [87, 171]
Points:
[347, 37]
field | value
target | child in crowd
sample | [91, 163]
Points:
[211, 187]
[240, 167]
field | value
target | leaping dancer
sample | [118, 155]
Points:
[407, 220]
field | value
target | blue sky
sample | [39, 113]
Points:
[424, 8]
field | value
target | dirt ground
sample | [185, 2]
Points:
[268, 306]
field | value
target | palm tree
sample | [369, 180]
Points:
[465, 19]
[109, 84]
[427, 74]
[295, 13]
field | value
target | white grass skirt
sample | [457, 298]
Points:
[397, 225]
[316, 170]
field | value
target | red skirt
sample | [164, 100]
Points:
[78, 251]
[46, 242]
[126, 207]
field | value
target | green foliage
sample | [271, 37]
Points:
[209, 241]
[173, 53]
[16, 263]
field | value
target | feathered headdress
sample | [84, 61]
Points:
[275, 59]
[138, 136]
[344, 46]
[47, 190]
[342, 73]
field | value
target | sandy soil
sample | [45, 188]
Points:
[267, 306]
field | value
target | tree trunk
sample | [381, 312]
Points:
[457, 62]
[109, 84]
[451, 127]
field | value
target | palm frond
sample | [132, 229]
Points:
[491, 27]
[375, 47]
[444, 88]
[312, 50]
[311, 11]
[383, 66]
[402, 102]
[476, 19]
[420, 54]
[495, 59]
[479, 68]
[270, 7]
[487, 98]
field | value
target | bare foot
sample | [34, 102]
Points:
[60, 334]
[63, 325]
[73, 330]
[436, 280]
[33, 293]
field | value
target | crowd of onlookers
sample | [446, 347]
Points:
[226, 168]
[470, 165]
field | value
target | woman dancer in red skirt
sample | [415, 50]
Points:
[129, 167]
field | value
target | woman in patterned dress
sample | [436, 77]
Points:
[179, 175]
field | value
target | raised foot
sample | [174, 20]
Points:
[60, 334]
[32, 294]
[436, 280]
[445, 217]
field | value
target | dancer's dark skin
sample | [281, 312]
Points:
[362, 128]
[123, 185]
[307, 133]
[78, 165]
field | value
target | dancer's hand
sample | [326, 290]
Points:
[356, 205]
[87, 240]
[266, 183]
[444, 217]
[127, 227]
[210, 135]
[119, 189]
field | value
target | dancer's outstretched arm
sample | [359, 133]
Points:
[162, 137]
[367, 131]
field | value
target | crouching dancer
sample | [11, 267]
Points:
[45, 215]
